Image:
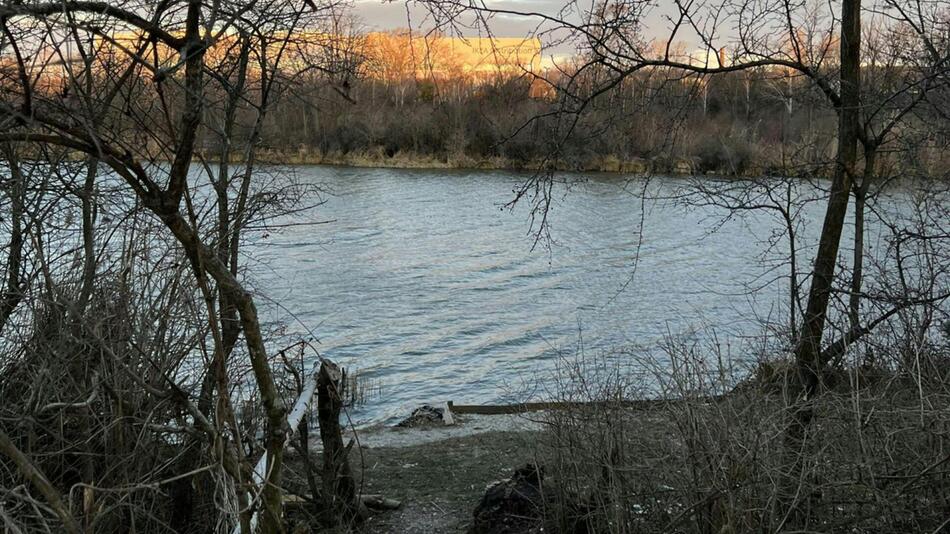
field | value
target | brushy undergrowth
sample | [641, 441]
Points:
[714, 454]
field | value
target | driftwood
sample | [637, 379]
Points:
[372, 501]
[340, 490]
[525, 407]
[378, 502]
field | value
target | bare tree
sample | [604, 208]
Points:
[106, 108]
[803, 39]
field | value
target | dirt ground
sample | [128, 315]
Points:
[438, 473]
[440, 482]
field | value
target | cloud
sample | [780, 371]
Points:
[377, 15]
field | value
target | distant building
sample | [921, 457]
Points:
[708, 58]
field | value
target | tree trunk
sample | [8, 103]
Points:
[230, 325]
[203, 256]
[808, 354]
[808, 349]
[13, 291]
[857, 270]
[339, 487]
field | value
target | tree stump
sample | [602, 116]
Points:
[339, 486]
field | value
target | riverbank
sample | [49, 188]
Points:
[684, 465]
[437, 473]
[440, 482]
[379, 158]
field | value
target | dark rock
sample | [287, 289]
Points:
[423, 416]
[512, 506]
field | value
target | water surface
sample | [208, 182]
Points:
[429, 287]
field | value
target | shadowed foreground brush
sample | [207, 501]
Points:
[707, 462]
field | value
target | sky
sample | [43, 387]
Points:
[376, 15]
[379, 15]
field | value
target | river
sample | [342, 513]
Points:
[422, 282]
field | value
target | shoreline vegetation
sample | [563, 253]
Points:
[669, 166]
[407, 160]
[609, 164]
[379, 160]
[609, 461]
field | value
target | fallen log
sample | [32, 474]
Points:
[525, 407]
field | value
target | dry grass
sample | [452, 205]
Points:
[874, 458]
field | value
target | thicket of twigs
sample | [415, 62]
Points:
[91, 399]
[715, 457]
[139, 384]
[112, 397]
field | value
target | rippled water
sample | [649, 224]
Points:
[434, 292]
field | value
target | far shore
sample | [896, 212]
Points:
[660, 166]
[402, 160]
